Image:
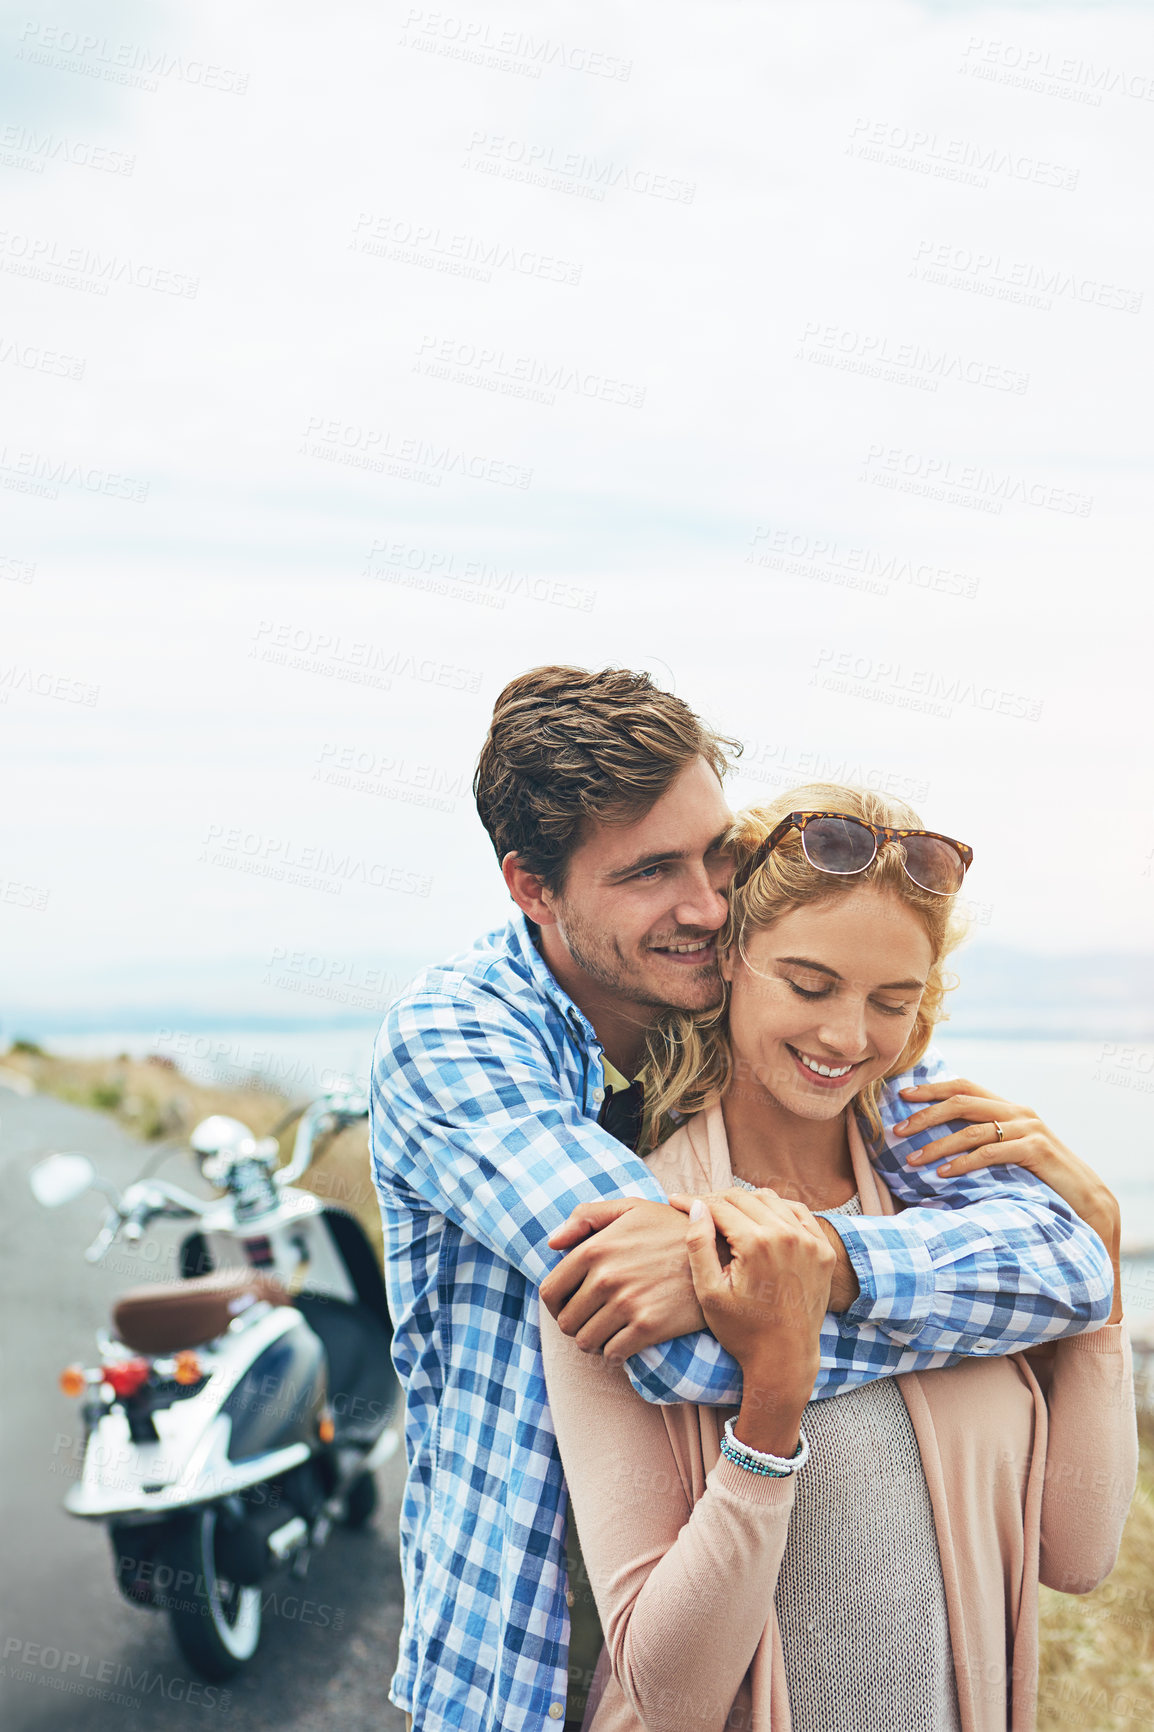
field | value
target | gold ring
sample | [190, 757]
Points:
[1000, 1131]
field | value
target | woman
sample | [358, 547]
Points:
[869, 1561]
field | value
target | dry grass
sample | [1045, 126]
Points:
[158, 1103]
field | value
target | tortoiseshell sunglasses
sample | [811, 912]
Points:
[835, 842]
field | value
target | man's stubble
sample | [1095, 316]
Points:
[603, 960]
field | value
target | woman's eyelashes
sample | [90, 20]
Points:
[827, 992]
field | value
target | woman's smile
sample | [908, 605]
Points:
[824, 1073]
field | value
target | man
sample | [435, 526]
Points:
[602, 796]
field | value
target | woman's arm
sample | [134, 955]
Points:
[1091, 1459]
[1088, 1380]
[683, 1568]
[684, 1589]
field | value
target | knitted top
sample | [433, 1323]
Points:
[866, 1642]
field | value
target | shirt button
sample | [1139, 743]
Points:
[556, 1709]
[570, 1597]
[598, 1096]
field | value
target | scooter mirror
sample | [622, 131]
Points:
[221, 1136]
[60, 1178]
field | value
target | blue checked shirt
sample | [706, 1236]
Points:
[487, 1082]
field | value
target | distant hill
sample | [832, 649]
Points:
[1003, 993]
[1014, 992]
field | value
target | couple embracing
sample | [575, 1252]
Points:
[710, 1287]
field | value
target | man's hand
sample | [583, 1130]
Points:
[627, 1284]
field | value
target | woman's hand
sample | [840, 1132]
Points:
[765, 1305]
[1025, 1142]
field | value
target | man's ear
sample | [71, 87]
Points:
[528, 891]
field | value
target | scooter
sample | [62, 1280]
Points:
[239, 1412]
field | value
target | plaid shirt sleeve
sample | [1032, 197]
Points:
[989, 1262]
[480, 1130]
[985, 1264]
[475, 1126]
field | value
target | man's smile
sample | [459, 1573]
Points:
[691, 952]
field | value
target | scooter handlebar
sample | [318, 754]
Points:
[331, 1112]
[140, 1204]
[99, 1247]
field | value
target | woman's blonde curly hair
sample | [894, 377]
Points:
[689, 1061]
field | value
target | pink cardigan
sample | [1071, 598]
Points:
[683, 1548]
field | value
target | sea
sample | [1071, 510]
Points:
[1097, 1095]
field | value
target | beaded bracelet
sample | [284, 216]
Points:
[760, 1461]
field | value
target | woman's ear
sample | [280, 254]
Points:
[725, 963]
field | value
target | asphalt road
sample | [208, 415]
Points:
[73, 1653]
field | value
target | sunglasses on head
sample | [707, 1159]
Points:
[837, 843]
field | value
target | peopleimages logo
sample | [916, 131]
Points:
[455, 252]
[80, 1674]
[50, 260]
[473, 580]
[874, 355]
[42, 473]
[308, 866]
[385, 452]
[831, 560]
[572, 171]
[967, 484]
[503, 50]
[308, 651]
[1047, 73]
[1022, 282]
[130, 63]
[926, 690]
[31, 358]
[25, 147]
[961, 159]
[525, 376]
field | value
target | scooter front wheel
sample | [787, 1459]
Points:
[216, 1622]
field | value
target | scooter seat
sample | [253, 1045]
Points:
[170, 1315]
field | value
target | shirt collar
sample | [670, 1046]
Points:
[541, 976]
[615, 1079]
[522, 946]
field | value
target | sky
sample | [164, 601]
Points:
[355, 362]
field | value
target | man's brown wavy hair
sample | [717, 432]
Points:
[567, 747]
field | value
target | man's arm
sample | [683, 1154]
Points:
[987, 1262]
[470, 1121]
[990, 1278]
[985, 1268]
